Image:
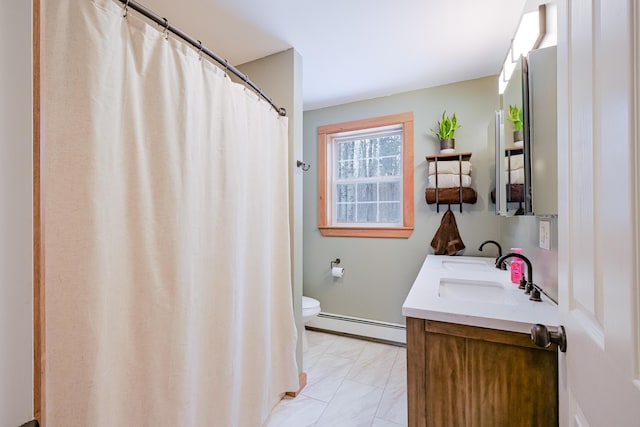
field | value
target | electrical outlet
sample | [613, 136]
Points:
[545, 235]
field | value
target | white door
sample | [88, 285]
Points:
[599, 210]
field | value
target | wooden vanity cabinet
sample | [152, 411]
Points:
[466, 376]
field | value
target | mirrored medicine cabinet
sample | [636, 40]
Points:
[526, 161]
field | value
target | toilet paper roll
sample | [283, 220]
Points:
[337, 271]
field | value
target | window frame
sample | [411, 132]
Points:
[405, 120]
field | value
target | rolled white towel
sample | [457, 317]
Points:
[516, 162]
[449, 180]
[450, 166]
[515, 176]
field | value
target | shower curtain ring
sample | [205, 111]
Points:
[125, 9]
[226, 67]
[200, 50]
[166, 29]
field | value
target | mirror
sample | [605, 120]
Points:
[513, 173]
[526, 172]
[543, 124]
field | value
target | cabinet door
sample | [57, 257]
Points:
[511, 385]
[446, 380]
[465, 376]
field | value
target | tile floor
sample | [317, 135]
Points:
[350, 383]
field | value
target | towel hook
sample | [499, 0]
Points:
[305, 167]
[336, 261]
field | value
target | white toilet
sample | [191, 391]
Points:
[310, 309]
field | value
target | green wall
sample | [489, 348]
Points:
[280, 77]
[523, 232]
[379, 272]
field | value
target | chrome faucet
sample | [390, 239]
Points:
[501, 266]
[527, 284]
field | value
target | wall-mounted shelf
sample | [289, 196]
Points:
[513, 151]
[453, 195]
[450, 156]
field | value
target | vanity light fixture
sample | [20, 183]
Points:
[531, 31]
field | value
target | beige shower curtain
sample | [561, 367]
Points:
[167, 292]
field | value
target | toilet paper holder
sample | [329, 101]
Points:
[336, 272]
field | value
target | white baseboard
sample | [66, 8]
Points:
[362, 327]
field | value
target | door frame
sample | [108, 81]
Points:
[38, 224]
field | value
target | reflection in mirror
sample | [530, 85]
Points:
[527, 173]
[513, 189]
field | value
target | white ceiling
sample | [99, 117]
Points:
[356, 49]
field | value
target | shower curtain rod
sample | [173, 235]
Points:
[197, 44]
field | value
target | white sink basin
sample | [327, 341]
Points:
[475, 290]
[466, 264]
[459, 290]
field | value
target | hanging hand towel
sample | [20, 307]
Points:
[447, 240]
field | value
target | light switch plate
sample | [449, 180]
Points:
[545, 235]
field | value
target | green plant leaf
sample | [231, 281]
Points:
[516, 116]
[446, 126]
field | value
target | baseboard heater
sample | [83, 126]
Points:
[375, 329]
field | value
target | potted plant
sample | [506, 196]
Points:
[516, 117]
[445, 132]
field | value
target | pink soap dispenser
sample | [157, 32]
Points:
[517, 266]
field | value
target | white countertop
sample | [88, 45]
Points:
[427, 301]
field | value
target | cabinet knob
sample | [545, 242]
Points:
[543, 337]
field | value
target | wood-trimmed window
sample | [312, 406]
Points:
[365, 177]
